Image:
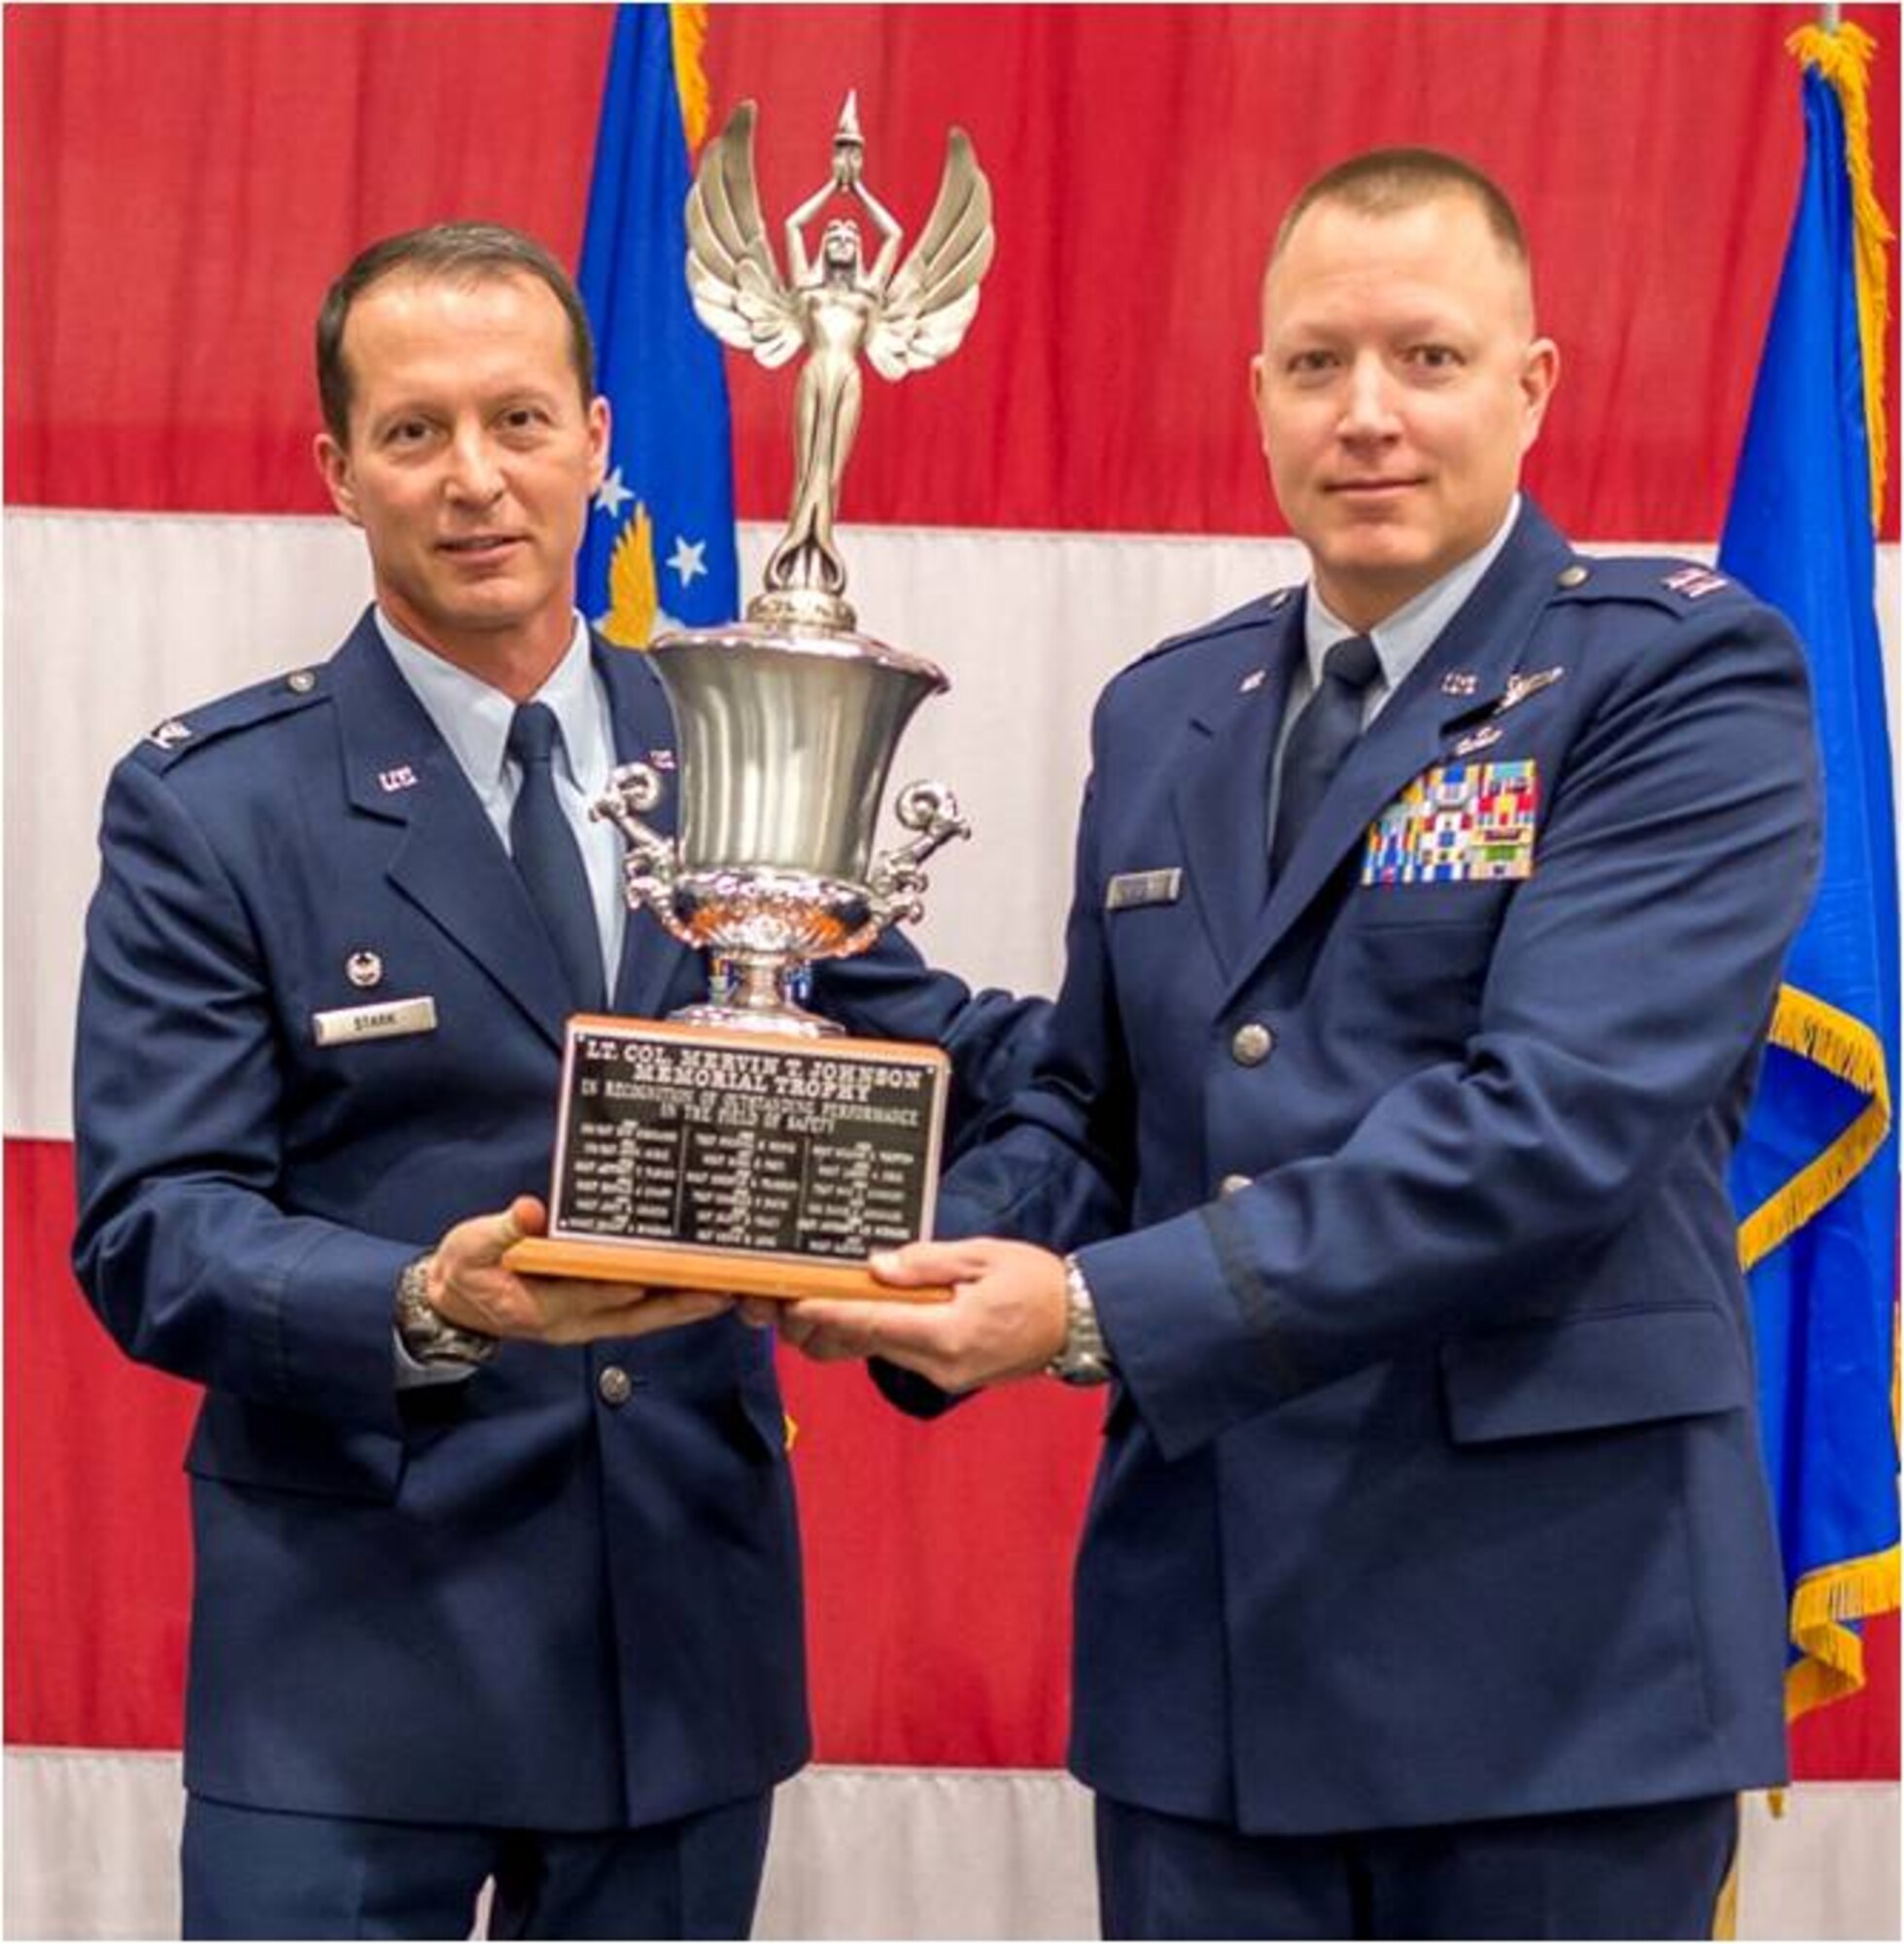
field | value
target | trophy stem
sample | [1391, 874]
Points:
[756, 997]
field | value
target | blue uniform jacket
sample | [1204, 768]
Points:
[1430, 1489]
[503, 1600]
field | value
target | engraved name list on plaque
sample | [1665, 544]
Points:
[746, 1144]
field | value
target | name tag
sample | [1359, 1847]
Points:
[390, 1021]
[1143, 888]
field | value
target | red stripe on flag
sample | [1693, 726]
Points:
[938, 1555]
[939, 1569]
[98, 1555]
[183, 182]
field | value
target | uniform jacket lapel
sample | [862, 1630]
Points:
[1222, 802]
[1484, 639]
[445, 856]
[643, 727]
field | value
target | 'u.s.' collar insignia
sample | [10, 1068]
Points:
[364, 969]
[1480, 738]
[1521, 686]
[1460, 682]
[1693, 581]
[170, 733]
[1251, 682]
[401, 778]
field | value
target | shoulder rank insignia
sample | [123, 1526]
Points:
[1694, 581]
[1458, 823]
[169, 734]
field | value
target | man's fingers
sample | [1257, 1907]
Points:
[926, 1264]
[665, 1313]
[525, 1216]
[827, 1332]
[830, 1331]
[641, 1318]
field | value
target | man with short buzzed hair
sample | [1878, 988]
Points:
[1428, 920]
[496, 1577]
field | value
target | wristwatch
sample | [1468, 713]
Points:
[1084, 1358]
[425, 1334]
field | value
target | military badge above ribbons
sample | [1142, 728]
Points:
[740, 1145]
[1460, 823]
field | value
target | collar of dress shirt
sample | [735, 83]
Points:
[1405, 636]
[473, 718]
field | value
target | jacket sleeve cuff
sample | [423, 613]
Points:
[329, 1331]
[1178, 1326]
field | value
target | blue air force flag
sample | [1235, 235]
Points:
[658, 548]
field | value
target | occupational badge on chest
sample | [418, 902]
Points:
[1458, 823]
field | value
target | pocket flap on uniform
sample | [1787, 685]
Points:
[237, 1444]
[1591, 1372]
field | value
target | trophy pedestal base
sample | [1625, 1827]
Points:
[657, 1266]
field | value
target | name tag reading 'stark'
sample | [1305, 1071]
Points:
[1130, 888]
[390, 1021]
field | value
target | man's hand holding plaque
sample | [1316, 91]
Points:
[469, 1285]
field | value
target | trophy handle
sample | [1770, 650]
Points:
[653, 861]
[896, 879]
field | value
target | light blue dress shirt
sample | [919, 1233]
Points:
[473, 718]
[1401, 640]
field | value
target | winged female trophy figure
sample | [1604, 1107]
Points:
[836, 308]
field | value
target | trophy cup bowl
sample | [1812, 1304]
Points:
[786, 737]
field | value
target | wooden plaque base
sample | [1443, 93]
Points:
[658, 1267]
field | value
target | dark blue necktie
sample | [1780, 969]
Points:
[548, 860]
[1323, 734]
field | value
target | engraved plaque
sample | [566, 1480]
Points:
[755, 1163]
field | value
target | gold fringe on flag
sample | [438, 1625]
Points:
[1843, 56]
[690, 25]
[1826, 1600]
[1822, 1604]
[1805, 1025]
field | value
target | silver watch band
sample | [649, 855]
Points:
[428, 1336]
[1084, 1358]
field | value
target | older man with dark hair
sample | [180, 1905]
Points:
[496, 1577]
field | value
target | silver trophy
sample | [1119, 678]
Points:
[788, 722]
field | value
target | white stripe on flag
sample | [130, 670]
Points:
[115, 621]
[91, 1846]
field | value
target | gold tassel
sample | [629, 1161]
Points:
[689, 25]
[1843, 56]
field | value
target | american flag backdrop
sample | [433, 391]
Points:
[1082, 479]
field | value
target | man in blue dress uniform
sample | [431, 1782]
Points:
[495, 1577]
[1428, 919]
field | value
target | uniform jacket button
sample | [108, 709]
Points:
[1235, 1184]
[614, 1386]
[1252, 1044]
